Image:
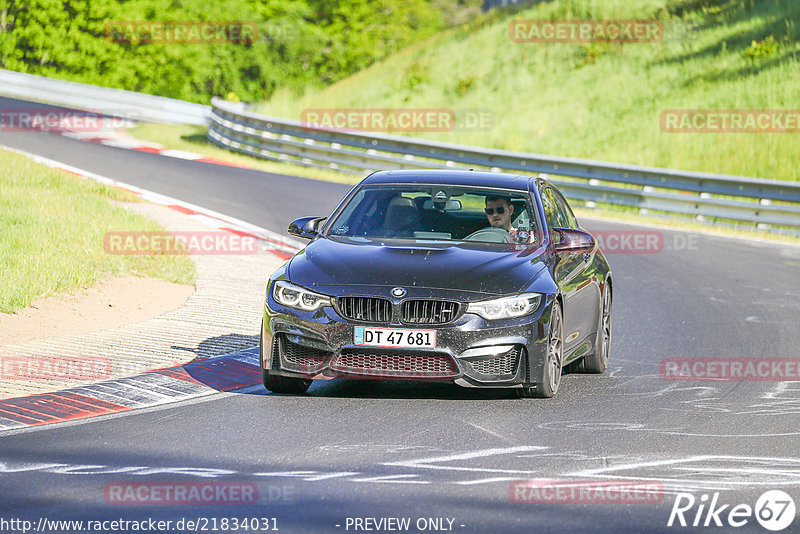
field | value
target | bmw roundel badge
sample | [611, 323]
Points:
[398, 292]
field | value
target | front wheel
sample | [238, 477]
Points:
[551, 376]
[284, 384]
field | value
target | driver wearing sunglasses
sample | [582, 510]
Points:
[499, 211]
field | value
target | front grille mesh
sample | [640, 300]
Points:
[301, 358]
[499, 366]
[395, 365]
[366, 309]
[429, 311]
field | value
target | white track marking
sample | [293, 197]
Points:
[485, 481]
[181, 154]
[326, 476]
[745, 473]
[427, 463]
[392, 479]
[495, 434]
[285, 474]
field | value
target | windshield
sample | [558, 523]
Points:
[438, 213]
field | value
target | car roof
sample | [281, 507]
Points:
[451, 177]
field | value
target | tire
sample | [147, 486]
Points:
[276, 383]
[597, 362]
[284, 384]
[551, 376]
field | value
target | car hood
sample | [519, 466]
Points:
[457, 266]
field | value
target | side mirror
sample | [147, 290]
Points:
[306, 227]
[572, 240]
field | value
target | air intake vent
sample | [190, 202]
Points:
[383, 365]
[302, 359]
[504, 365]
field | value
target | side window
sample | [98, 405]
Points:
[553, 210]
[549, 209]
[572, 222]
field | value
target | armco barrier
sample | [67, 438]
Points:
[112, 102]
[772, 205]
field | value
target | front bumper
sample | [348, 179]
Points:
[470, 351]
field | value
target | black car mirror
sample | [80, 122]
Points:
[306, 227]
[449, 205]
[572, 240]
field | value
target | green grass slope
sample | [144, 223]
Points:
[600, 100]
[52, 229]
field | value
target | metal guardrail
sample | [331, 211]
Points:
[105, 100]
[770, 204]
[766, 203]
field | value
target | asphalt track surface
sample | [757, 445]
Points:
[358, 449]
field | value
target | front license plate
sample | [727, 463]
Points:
[392, 337]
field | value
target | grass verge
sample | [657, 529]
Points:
[598, 100]
[52, 226]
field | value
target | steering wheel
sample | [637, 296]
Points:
[489, 235]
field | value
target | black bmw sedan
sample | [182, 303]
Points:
[477, 278]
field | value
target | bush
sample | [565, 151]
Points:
[299, 43]
[761, 49]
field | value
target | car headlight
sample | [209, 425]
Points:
[506, 307]
[299, 298]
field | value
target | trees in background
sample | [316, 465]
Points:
[298, 43]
